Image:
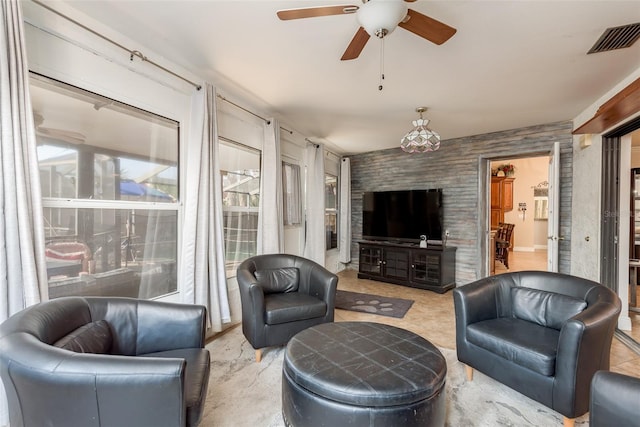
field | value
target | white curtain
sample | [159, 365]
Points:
[315, 240]
[23, 271]
[203, 267]
[270, 216]
[345, 211]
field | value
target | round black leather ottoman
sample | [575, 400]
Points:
[362, 374]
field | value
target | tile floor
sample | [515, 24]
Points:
[432, 314]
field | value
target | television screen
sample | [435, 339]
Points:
[402, 215]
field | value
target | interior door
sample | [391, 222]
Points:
[553, 231]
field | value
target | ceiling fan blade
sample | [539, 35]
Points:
[357, 44]
[427, 28]
[312, 12]
[409, 1]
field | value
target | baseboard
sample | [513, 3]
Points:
[624, 323]
[540, 247]
[523, 249]
[628, 341]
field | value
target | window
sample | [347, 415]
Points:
[331, 211]
[109, 176]
[240, 169]
[291, 194]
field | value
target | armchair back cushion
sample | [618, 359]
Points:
[549, 309]
[94, 337]
[278, 280]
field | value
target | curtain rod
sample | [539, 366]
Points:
[132, 53]
[315, 144]
[251, 112]
[329, 152]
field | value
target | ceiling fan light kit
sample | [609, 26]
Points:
[380, 17]
[420, 139]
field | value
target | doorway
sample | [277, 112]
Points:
[629, 226]
[519, 195]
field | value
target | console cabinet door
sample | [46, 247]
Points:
[396, 263]
[425, 267]
[371, 260]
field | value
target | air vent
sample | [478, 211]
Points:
[617, 38]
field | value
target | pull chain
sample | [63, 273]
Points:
[381, 63]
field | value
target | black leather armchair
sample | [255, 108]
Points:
[85, 362]
[614, 400]
[543, 334]
[281, 295]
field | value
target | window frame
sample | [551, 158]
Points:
[96, 205]
[332, 211]
[231, 272]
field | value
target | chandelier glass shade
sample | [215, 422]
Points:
[420, 139]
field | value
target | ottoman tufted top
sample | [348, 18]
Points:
[365, 364]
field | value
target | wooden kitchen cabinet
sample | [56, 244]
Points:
[501, 198]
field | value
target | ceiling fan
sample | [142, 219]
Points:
[378, 18]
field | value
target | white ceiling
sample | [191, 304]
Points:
[510, 64]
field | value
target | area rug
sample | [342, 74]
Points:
[243, 393]
[374, 304]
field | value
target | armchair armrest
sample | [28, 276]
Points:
[614, 400]
[476, 301]
[252, 298]
[170, 326]
[322, 284]
[592, 329]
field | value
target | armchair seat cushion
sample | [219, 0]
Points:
[292, 307]
[195, 377]
[524, 343]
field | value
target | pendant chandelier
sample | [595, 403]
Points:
[420, 139]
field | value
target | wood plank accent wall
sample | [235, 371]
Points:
[456, 168]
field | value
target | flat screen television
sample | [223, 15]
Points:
[402, 216]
